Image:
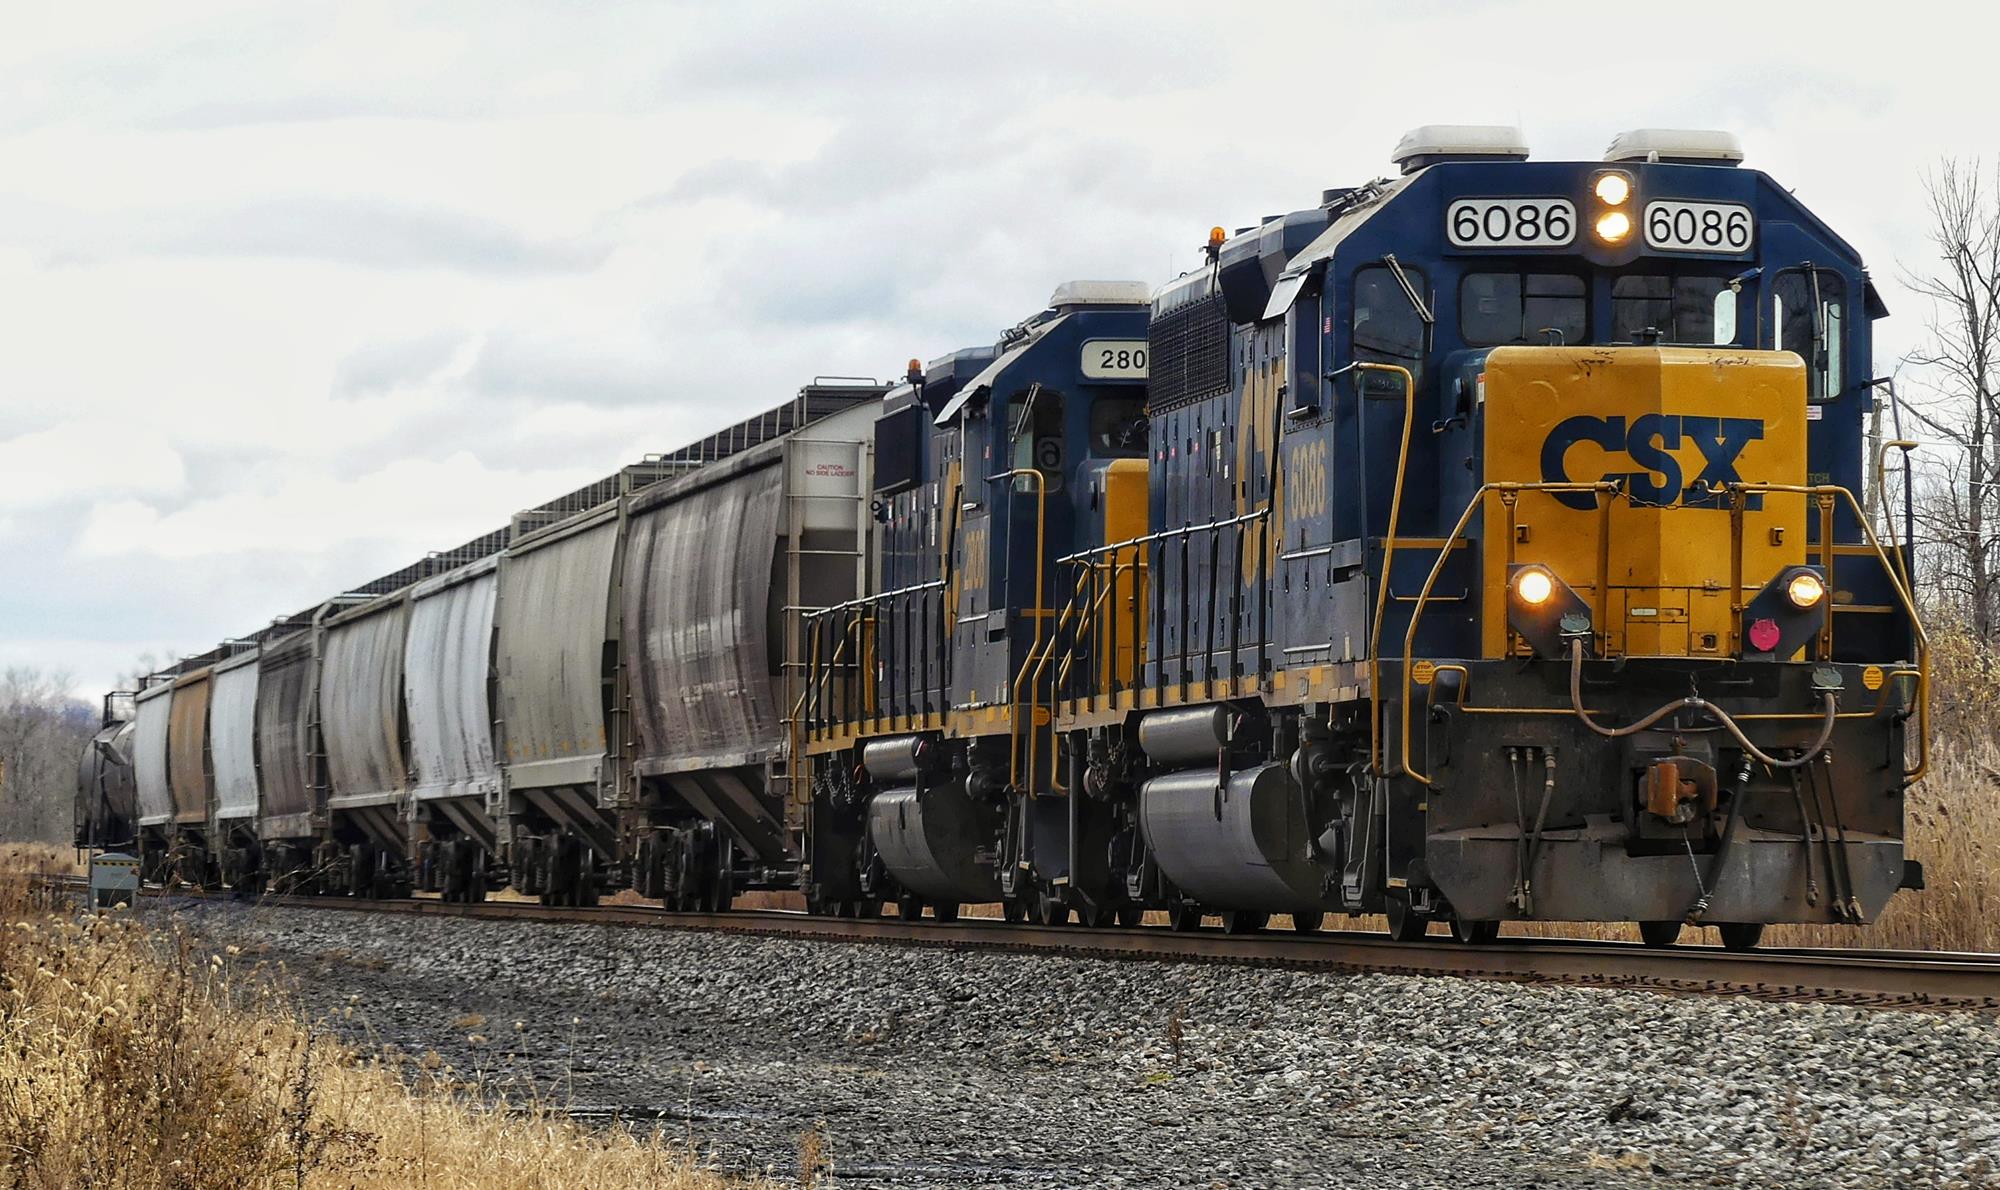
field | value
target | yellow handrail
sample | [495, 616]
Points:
[1014, 695]
[1473, 505]
[1388, 560]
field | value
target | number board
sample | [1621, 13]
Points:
[1673, 226]
[1511, 223]
[1114, 359]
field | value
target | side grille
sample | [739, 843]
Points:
[1189, 350]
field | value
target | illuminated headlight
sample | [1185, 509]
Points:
[1613, 189]
[1613, 226]
[1805, 590]
[1533, 586]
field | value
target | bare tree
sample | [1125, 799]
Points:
[1959, 515]
[42, 734]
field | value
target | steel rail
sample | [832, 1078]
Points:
[1874, 978]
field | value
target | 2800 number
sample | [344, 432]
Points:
[1511, 222]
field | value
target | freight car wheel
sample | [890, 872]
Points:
[1741, 935]
[1405, 923]
[945, 910]
[1131, 916]
[1184, 917]
[1659, 933]
[1474, 933]
[1308, 923]
[1013, 910]
[1050, 911]
[910, 907]
[1243, 921]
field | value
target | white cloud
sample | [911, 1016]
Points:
[291, 294]
[87, 458]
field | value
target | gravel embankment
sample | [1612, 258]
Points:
[925, 1067]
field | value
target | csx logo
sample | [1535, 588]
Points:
[1649, 442]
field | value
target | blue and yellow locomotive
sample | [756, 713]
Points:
[1484, 543]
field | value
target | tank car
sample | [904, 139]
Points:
[106, 807]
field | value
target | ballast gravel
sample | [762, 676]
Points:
[931, 1067]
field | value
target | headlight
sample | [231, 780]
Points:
[1805, 589]
[1613, 189]
[1534, 586]
[1614, 226]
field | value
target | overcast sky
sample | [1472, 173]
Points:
[292, 293]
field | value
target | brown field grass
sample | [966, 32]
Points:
[128, 1060]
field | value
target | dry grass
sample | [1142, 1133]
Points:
[127, 1060]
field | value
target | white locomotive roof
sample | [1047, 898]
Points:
[1435, 142]
[1675, 144]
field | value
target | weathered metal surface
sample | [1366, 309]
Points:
[149, 756]
[285, 679]
[446, 664]
[554, 606]
[361, 705]
[1245, 845]
[701, 624]
[930, 842]
[188, 777]
[232, 734]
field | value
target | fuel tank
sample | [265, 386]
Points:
[932, 842]
[1243, 845]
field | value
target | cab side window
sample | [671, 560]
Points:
[1808, 316]
[1387, 327]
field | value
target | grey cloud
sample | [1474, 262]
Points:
[369, 234]
[379, 367]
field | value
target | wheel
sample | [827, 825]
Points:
[868, 907]
[1095, 916]
[1308, 923]
[945, 911]
[1405, 923]
[1740, 935]
[910, 907]
[1050, 911]
[1184, 917]
[1131, 916]
[1659, 933]
[1013, 911]
[1243, 921]
[1474, 933]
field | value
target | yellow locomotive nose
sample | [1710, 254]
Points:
[1667, 430]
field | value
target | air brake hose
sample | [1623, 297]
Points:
[1695, 703]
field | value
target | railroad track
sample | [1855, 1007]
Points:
[1873, 978]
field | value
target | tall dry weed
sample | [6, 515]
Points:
[130, 1060]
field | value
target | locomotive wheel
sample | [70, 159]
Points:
[1308, 923]
[1185, 918]
[1474, 933]
[910, 907]
[1659, 933]
[1013, 910]
[1094, 916]
[1131, 916]
[1049, 911]
[1740, 935]
[1405, 923]
[1243, 921]
[945, 911]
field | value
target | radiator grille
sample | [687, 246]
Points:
[1189, 354]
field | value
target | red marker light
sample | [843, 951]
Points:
[1764, 635]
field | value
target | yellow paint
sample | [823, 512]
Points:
[1872, 677]
[1126, 518]
[1668, 561]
